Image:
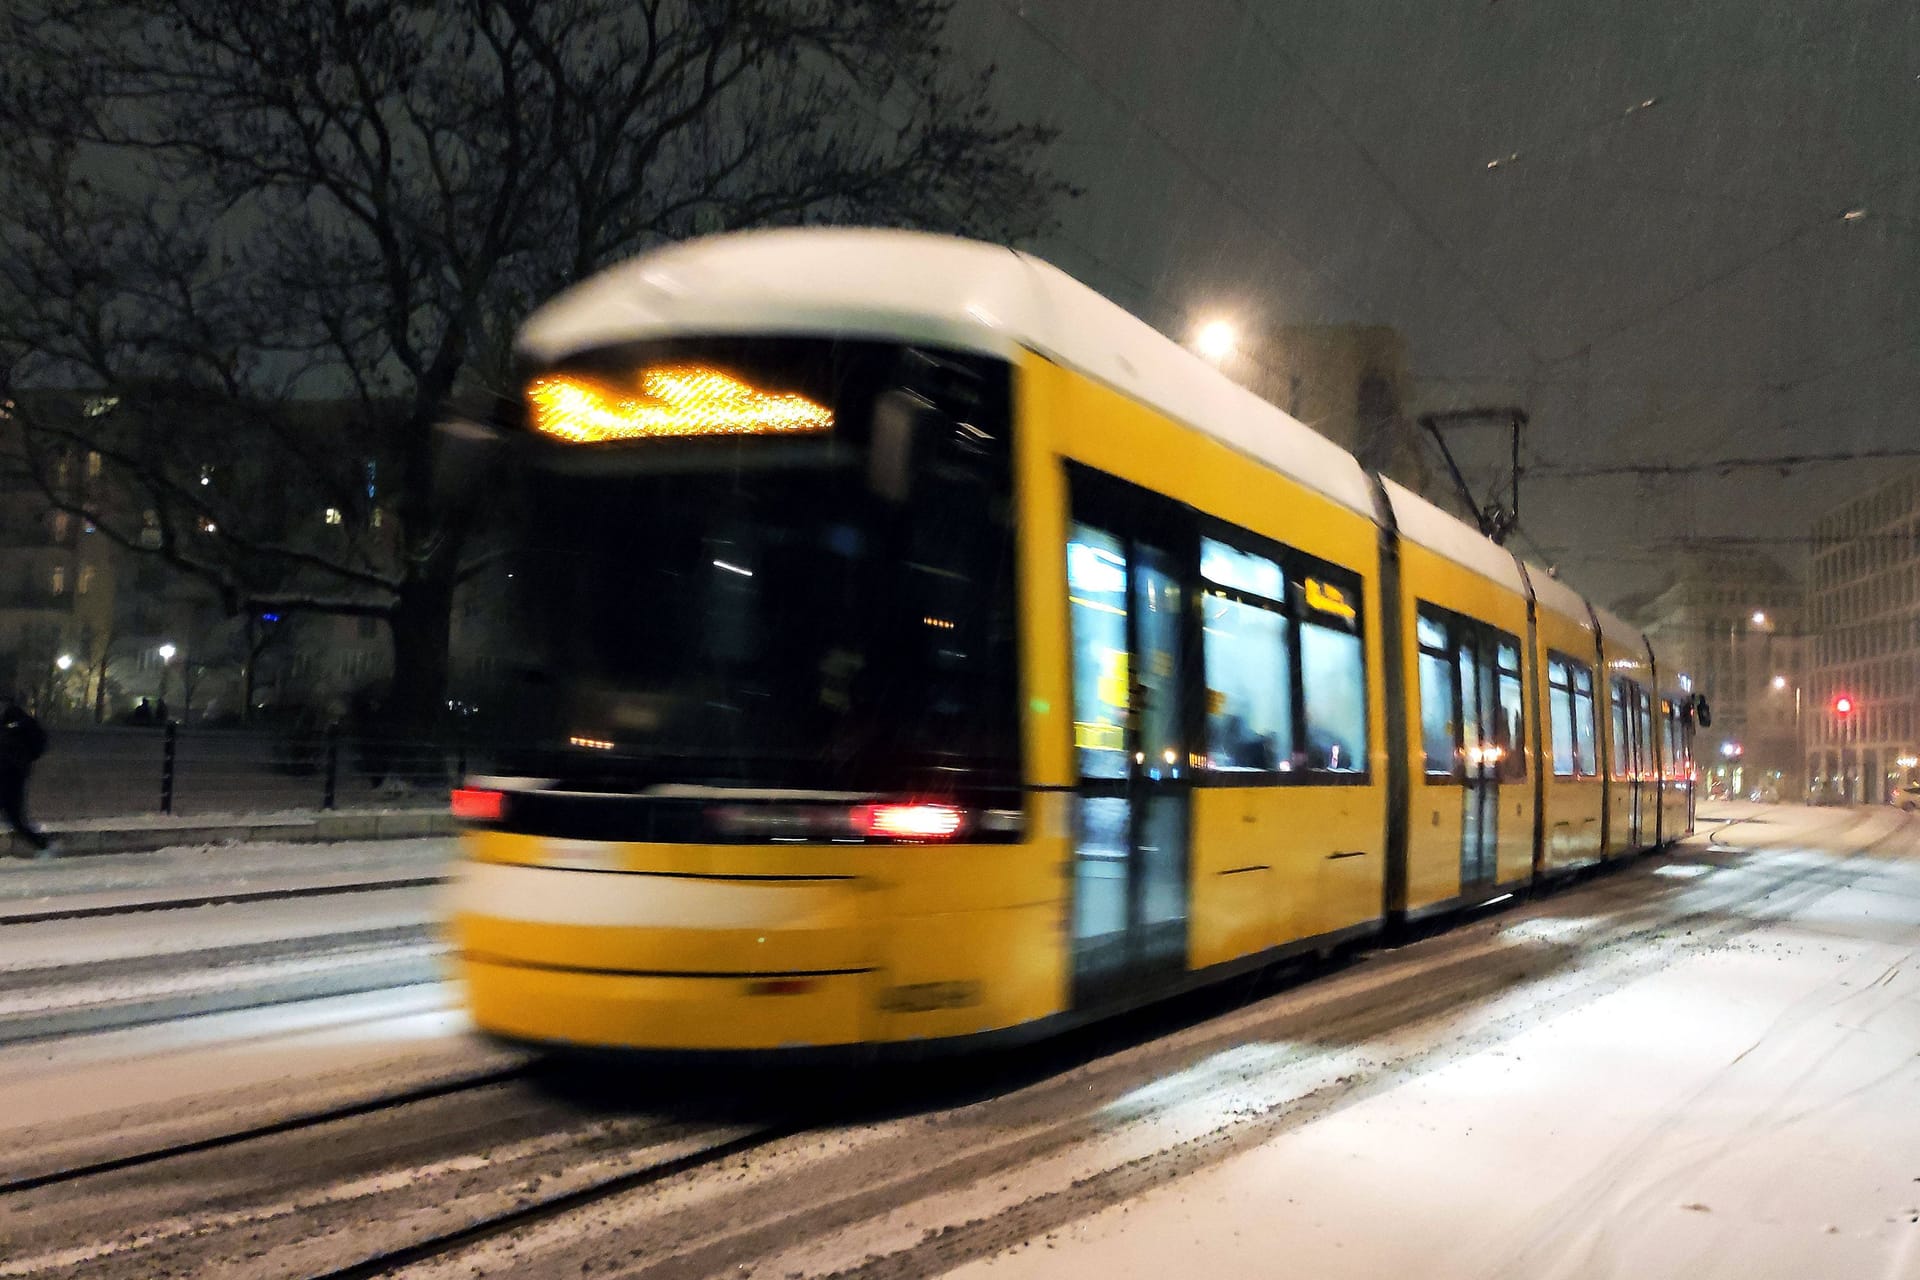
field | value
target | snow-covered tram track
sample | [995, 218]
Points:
[252, 1133]
[64, 999]
[187, 901]
[353, 1189]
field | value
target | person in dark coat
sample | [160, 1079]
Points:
[22, 741]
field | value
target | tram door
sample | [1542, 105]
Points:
[1128, 611]
[1480, 734]
[1630, 754]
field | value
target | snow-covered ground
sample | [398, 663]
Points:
[1702, 1065]
[1751, 1109]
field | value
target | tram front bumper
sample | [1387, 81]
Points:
[663, 961]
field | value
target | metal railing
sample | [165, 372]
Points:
[94, 773]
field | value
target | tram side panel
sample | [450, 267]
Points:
[1632, 793]
[1676, 771]
[1279, 855]
[1571, 740]
[1470, 812]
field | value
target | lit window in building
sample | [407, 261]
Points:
[62, 525]
[57, 580]
[93, 464]
[334, 516]
[86, 579]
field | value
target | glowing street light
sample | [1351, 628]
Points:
[1779, 682]
[64, 662]
[1215, 340]
[1759, 618]
[166, 652]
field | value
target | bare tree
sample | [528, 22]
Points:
[272, 240]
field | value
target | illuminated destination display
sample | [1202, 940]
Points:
[671, 402]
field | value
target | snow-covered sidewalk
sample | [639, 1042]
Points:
[186, 872]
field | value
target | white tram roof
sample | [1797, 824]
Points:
[912, 287]
[1558, 596]
[1617, 631]
[967, 295]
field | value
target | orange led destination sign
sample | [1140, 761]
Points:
[1328, 598]
[672, 401]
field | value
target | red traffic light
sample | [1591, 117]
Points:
[1843, 705]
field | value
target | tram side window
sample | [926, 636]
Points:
[1586, 742]
[1285, 666]
[1622, 728]
[1249, 668]
[1560, 715]
[1097, 589]
[1439, 699]
[1643, 709]
[1333, 676]
[1510, 731]
[1671, 737]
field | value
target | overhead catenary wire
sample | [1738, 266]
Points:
[1761, 462]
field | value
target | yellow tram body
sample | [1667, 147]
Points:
[691, 945]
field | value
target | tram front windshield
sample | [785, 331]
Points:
[831, 607]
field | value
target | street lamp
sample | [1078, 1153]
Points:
[64, 662]
[1215, 340]
[166, 652]
[1779, 683]
[1759, 617]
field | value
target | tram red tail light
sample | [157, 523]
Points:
[477, 804]
[908, 821]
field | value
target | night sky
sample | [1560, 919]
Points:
[1668, 283]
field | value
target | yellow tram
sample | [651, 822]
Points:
[918, 647]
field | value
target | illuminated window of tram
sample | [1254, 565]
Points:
[1622, 729]
[1333, 676]
[1560, 715]
[1285, 666]
[1439, 700]
[1585, 730]
[1249, 662]
[1510, 731]
[1097, 593]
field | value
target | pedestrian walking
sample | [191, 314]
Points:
[22, 742]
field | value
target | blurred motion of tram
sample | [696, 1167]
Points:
[917, 647]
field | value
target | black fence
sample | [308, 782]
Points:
[114, 772]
